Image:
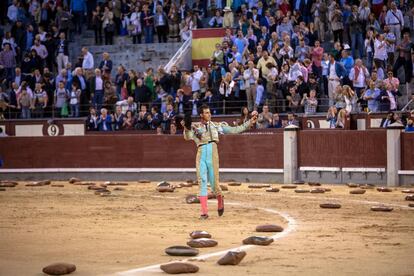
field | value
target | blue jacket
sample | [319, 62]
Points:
[107, 122]
[78, 6]
[339, 69]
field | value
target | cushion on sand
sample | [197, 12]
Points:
[272, 190]
[200, 234]
[165, 189]
[232, 258]
[257, 240]
[202, 242]
[269, 228]
[59, 269]
[179, 267]
[357, 192]
[234, 184]
[381, 209]
[181, 251]
[409, 198]
[302, 191]
[384, 190]
[330, 205]
[289, 186]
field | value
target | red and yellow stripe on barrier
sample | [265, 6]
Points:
[203, 45]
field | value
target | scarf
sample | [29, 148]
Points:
[356, 68]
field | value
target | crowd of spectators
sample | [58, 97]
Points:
[277, 56]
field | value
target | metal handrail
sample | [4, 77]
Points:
[178, 55]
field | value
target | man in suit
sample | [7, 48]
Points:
[169, 116]
[154, 119]
[85, 97]
[96, 89]
[104, 121]
[210, 101]
[304, 7]
[388, 120]
[106, 64]
[62, 52]
[142, 93]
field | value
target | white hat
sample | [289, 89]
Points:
[346, 47]
[227, 9]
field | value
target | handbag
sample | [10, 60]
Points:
[124, 92]
[64, 112]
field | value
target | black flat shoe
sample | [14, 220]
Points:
[203, 217]
[220, 212]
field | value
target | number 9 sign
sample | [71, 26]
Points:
[53, 130]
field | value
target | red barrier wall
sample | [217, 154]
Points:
[407, 151]
[138, 151]
[338, 148]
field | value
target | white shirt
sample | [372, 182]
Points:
[390, 47]
[160, 20]
[332, 72]
[87, 61]
[195, 80]
[393, 104]
[380, 53]
[360, 81]
[12, 13]
[98, 83]
[41, 51]
[390, 19]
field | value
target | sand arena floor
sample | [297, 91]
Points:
[131, 228]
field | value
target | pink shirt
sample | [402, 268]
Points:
[395, 83]
[317, 55]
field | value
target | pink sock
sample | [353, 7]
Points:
[203, 202]
[220, 202]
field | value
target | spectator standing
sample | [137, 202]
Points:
[371, 95]
[161, 24]
[310, 103]
[108, 25]
[87, 63]
[25, 103]
[147, 22]
[39, 101]
[8, 61]
[74, 101]
[62, 52]
[359, 76]
[251, 76]
[79, 10]
[356, 30]
[106, 65]
[97, 89]
[404, 57]
[395, 20]
[390, 40]
[136, 27]
[96, 23]
[318, 11]
[336, 72]
[61, 96]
